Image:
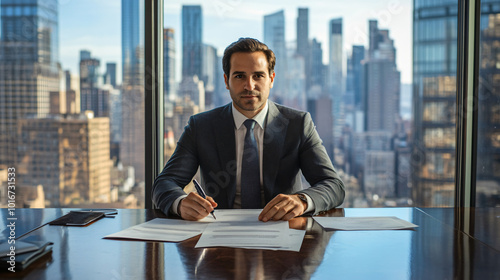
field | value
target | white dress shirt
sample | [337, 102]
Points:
[240, 131]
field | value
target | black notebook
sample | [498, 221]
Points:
[77, 218]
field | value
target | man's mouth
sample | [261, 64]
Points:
[249, 94]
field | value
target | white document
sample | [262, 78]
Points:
[234, 215]
[294, 241]
[172, 230]
[241, 228]
[238, 228]
[245, 234]
[363, 223]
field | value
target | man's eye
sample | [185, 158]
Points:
[238, 76]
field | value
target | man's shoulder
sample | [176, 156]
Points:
[289, 113]
[213, 113]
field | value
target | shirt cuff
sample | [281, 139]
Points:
[310, 204]
[175, 205]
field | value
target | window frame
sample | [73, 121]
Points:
[153, 83]
[469, 16]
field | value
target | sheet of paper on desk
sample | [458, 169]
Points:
[363, 223]
[294, 241]
[291, 238]
[248, 234]
[173, 230]
[234, 215]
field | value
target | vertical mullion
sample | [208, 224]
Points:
[153, 93]
[467, 71]
[469, 12]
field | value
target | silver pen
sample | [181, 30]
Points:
[201, 192]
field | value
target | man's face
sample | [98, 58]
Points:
[249, 82]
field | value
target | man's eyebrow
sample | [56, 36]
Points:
[243, 72]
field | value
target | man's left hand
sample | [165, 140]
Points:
[283, 207]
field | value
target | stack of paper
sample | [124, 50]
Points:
[237, 228]
[242, 229]
[363, 223]
[161, 230]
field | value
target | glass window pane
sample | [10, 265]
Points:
[387, 122]
[434, 107]
[488, 130]
[72, 119]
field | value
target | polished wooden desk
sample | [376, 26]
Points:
[482, 224]
[435, 250]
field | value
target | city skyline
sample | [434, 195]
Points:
[362, 131]
[98, 30]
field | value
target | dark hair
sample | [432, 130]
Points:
[247, 45]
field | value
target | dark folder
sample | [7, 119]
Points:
[28, 253]
[77, 218]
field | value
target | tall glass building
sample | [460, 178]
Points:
[434, 102]
[132, 42]
[192, 44]
[434, 99]
[29, 68]
[488, 132]
[335, 77]
[274, 38]
[169, 90]
[132, 148]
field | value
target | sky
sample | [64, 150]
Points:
[95, 25]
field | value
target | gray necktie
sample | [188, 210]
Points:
[250, 171]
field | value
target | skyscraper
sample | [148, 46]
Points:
[303, 48]
[111, 73]
[132, 149]
[29, 58]
[382, 83]
[193, 89]
[69, 156]
[320, 108]
[192, 44]
[488, 153]
[434, 102]
[274, 38]
[93, 97]
[335, 76]
[358, 55]
[381, 111]
[209, 74]
[169, 84]
[72, 90]
[316, 53]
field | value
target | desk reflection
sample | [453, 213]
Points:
[435, 250]
[236, 263]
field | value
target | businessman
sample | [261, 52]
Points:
[250, 151]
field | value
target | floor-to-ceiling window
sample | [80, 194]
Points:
[379, 80]
[72, 103]
[348, 64]
[488, 107]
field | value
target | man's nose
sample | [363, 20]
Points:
[249, 84]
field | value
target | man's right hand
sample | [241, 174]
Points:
[194, 207]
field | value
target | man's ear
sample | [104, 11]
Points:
[272, 79]
[226, 81]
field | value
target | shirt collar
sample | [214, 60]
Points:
[260, 118]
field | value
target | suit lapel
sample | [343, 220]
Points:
[226, 147]
[274, 139]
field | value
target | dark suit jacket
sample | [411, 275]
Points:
[291, 144]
